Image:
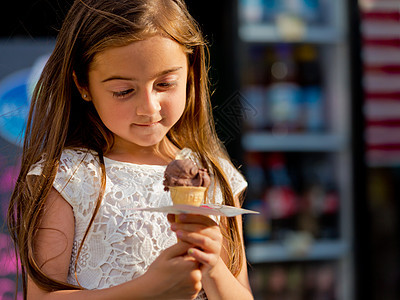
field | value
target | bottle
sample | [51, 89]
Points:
[280, 197]
[254, 96]
[257, 227]
[255, 79]
[329, 218]
[283, 93]
[255, 173]
[312, 106]
[309, 212]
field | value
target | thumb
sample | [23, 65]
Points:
[179, 249]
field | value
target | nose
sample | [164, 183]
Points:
[148, 104]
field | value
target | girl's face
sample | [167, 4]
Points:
[139, 90]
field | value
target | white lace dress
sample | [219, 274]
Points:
[122, 243]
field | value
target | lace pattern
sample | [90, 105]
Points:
[122, 243]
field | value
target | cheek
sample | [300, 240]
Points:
[176, 105]
[105, 105]
[111, 113]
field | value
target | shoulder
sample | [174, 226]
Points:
[77, 163]
[235, 178]
[69, 159]
[78, 175]
[79, 154]
[77, 158]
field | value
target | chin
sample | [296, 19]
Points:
[148, 143]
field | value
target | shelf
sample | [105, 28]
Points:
[259, 33]
[293, 142]
[276, 252]
[322, 156]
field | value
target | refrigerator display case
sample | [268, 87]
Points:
[294, 77]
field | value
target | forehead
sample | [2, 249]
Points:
[153, 52]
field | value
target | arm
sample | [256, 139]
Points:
[221, 284]
[171, 276]
[218, 281]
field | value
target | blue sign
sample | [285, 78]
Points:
[15, 94]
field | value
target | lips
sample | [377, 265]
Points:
[147, 124]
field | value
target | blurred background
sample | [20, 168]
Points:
[307, 100]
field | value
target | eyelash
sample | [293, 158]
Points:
[122, 94]
[166, 84]
[125, 93]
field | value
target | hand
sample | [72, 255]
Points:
[205, 236]
[174, 274]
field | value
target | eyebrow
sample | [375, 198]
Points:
[116, 77]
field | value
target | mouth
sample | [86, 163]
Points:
[147, 124]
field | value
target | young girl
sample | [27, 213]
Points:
[125, 89]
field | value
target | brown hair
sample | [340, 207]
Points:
[59, 118]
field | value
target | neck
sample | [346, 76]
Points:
[159, 154]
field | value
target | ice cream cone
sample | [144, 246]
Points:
[189, 195]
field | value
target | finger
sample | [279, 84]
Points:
[171, 218]
[201, 241]
[202, 257]
[212, 232]
[178, 249]
[186, 263]
[190, 260]
[188, 227]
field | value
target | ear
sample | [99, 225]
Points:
[83, 91]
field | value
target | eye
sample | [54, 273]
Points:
[122, 94]
[165, 85]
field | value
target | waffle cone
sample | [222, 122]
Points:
[189, 195]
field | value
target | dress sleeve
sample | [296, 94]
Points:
[77, 178]
[236, 180]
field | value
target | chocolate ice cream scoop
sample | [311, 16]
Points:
[184, 172]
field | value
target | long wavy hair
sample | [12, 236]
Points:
[60, 119]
